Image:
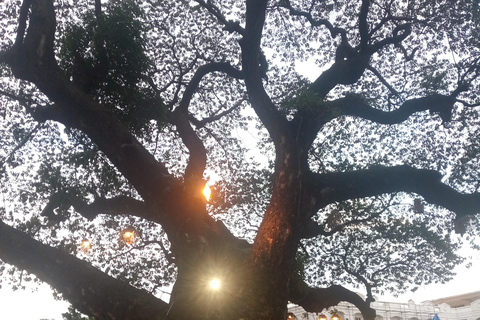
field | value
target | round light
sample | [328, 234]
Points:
[130, 235]
[215, 284]
[85, 246]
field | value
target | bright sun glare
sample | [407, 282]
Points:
[207, 192]
[215, 284]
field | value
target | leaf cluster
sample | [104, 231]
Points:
[105, 55]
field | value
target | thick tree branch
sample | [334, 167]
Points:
[22, 21]
[346, 70]
[115, 206]
[202, 71]
[87, 288]
[198, 155]
[351, 64]
[98, 9]
[340, 186]
[180, 118]
[261, 102]
[363, 24]
[121, 205]
[35, 49]
[354, 105]
[317, 299]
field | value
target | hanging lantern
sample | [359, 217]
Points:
[322, 317]
[130, 235]
[85, 246]
[335, 317]
[290, 316]
[207, 192]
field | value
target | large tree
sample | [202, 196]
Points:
[115, 114]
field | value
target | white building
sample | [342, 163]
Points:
[461, 307]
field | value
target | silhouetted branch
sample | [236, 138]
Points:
[317, 299]
[354, 105]
[340, 186]
[88, 289]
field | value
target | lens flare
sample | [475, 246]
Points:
[215, 284]
[207, 192]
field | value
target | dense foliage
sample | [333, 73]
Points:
[340, 138]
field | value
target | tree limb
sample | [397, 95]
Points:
[114, 206]
[215, 116]
[35, 62]
[180, 118]
[261, 102]
[354, 105]
[20, 145]
[181, 212]
[363, 24]
[340, 186]
[351, 67]
[197, 160]
[357, 106]
[203, 71]
[22, 21]
[382, 80]
[343, 71]
[87, 288]
[317, 299]
[230, 26]
[334, 31]
[400, 33]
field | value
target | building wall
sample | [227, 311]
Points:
[397, 311]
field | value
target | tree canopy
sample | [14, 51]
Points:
[116, 114]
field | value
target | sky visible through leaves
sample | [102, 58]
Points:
[37, 302]
[362, 152]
